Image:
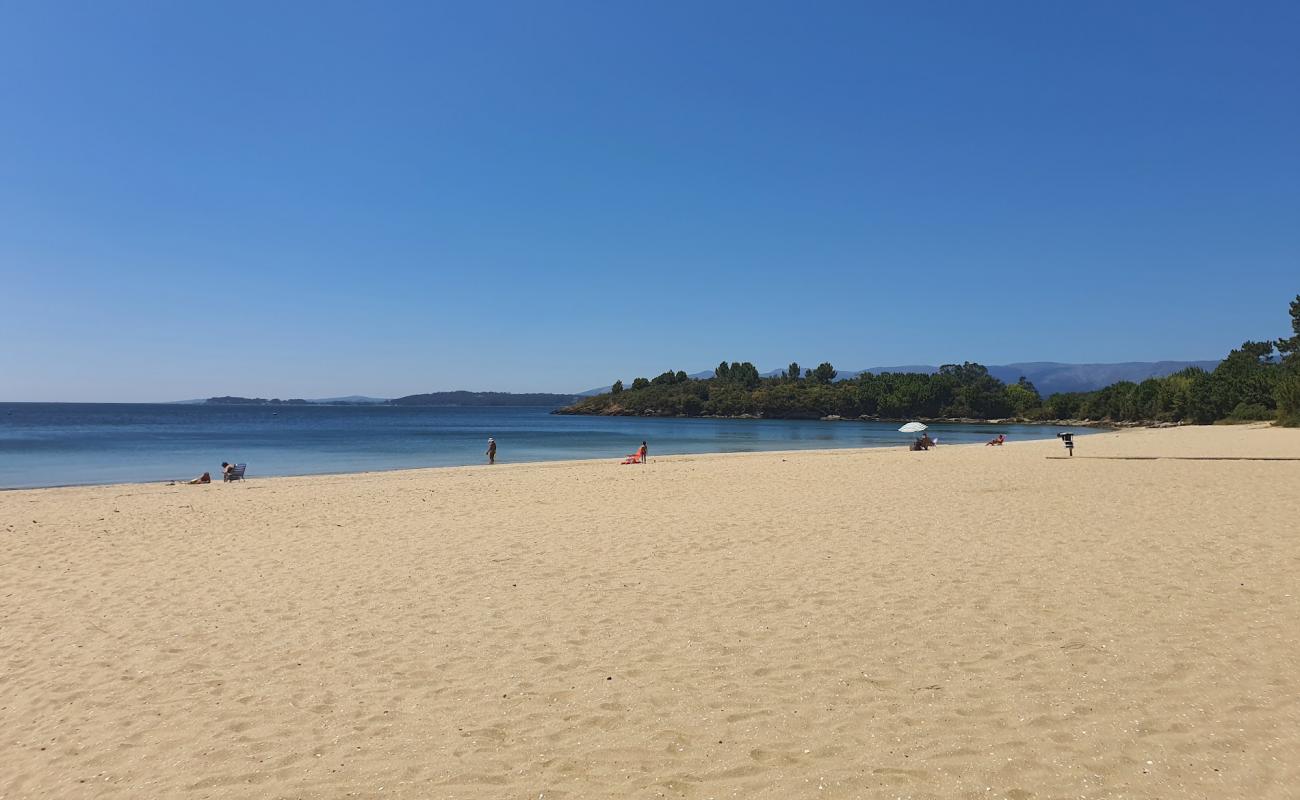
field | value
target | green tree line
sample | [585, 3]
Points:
[1257, 381]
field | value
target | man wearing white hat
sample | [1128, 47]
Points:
[492, 450]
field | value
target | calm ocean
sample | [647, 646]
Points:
[54, 444]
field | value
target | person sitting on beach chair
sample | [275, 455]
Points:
[996, 441]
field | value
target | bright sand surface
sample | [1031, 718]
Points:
[971, 622]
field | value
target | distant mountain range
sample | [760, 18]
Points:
[1049, 377]
[1052, 378]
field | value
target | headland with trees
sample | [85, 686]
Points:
[1258, 381]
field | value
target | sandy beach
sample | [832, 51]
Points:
[970, 622]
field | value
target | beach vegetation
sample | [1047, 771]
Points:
[1252, 412]
[1287, 396]
[1022, 398]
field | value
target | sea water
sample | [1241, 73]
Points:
[54, 444]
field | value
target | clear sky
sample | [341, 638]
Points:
[312, 198]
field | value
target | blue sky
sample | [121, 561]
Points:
[311, 199]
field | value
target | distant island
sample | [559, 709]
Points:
[484, 399]
[253, 401]
[1258, 381]
[458, 398]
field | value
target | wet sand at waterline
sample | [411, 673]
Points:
[970, 622]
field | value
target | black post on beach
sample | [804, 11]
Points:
[1068, 438]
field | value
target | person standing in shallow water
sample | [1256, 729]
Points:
[492, 450]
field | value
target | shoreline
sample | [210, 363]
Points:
[613, 458]
[668, 458]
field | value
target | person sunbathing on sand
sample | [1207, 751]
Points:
[204, 478]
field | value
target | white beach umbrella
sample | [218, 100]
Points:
[912, 427]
